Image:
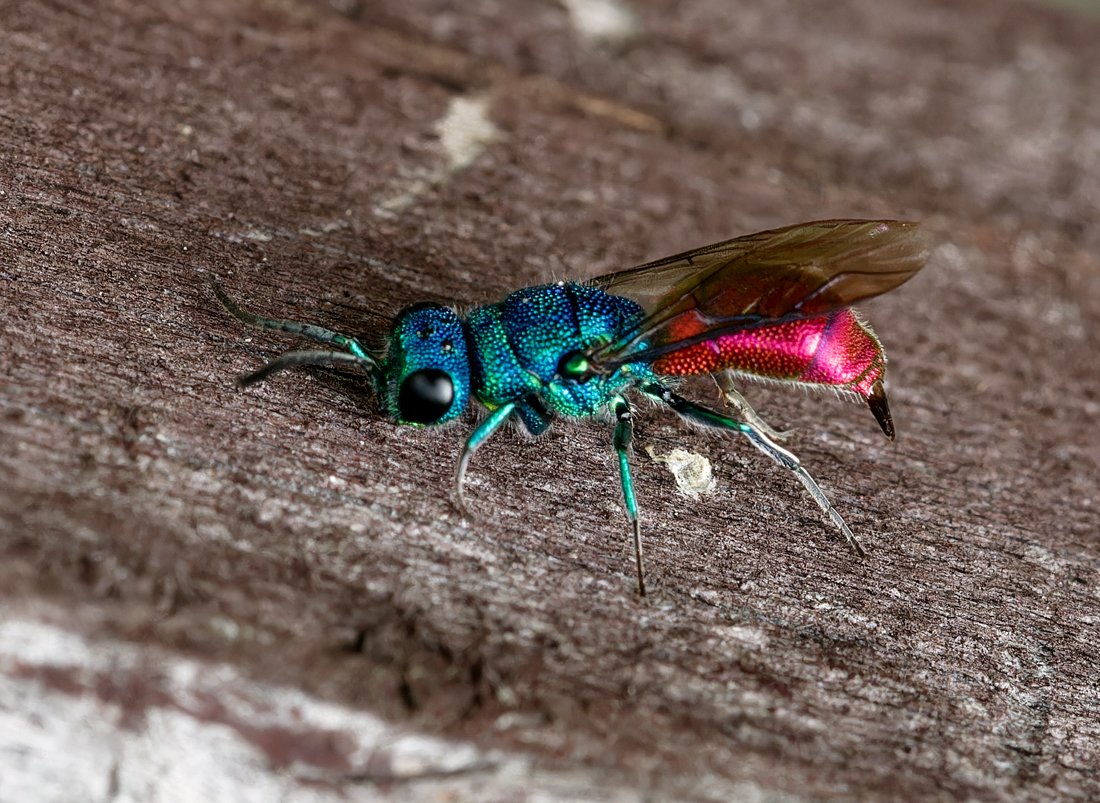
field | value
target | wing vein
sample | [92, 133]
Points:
[771, 277]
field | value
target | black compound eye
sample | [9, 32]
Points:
[425, 396]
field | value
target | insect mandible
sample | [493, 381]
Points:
[775, 305]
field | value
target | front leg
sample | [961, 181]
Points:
[709, 418]
[485, 429]
[624, 435]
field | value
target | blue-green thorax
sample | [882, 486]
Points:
[506, 352]
[518, 346]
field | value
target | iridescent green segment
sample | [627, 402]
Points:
[531, 342]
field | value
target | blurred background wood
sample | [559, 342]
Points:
[238, 596]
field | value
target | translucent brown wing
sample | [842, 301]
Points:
[792, 273]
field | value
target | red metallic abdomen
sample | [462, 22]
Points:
[835, 350]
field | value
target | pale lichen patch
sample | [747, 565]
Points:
[605, 21]
[464, 132]
[692, 471]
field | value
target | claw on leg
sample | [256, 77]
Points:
[789, 461]
[458, 496]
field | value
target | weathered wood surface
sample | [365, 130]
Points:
[217, 593]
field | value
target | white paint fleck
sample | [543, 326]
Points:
[742, 636]
[692, 471]
[606, 21]
[464, 132]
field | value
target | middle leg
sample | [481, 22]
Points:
[624, 436]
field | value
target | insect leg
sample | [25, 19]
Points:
[318, 333]
[732, 397]
[486, 428]
[624, 435]
[709, 418]
[533, 414]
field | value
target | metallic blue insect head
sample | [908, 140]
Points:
[427, 370]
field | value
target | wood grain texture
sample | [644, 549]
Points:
[290, 533]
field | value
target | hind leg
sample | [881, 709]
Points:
[709, 418]
[733, 398]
